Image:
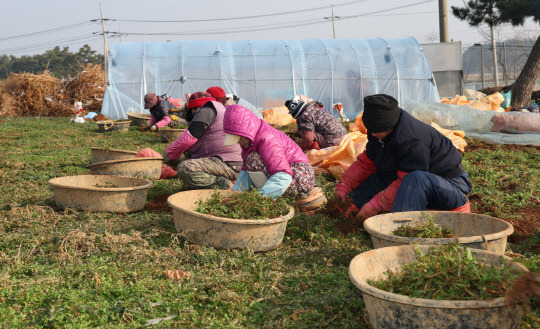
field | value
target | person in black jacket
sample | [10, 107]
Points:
[407, 165]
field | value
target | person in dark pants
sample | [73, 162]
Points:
[407, 166]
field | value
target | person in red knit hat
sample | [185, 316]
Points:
[228, 99]
[218, 93]
[208, 164]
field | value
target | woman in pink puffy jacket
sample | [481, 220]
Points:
[272, 161]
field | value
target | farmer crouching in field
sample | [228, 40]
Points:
[273, 162]
[317, 128]
[159, 111]
[219, 94]
[210, 164]
[407, 166]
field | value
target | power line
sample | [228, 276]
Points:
[46, 44]
[241, 17]
[233, 30]
[63, 28]
[384, 10]
[297, 23]
[266, 26]
[408, 14]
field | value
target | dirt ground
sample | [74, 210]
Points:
[158, 204]
[522, 227]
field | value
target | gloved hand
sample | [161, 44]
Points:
[341, 191]
[351, 212]
[370, 209]
[315, 146]
[153, 128]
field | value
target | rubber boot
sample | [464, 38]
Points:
[465, 208]
[314, 200]
[221, 183]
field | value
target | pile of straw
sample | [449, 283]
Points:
[87, 87]
[26, 94]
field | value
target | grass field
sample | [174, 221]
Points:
[73, 269]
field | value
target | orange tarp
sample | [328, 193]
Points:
[489, 103]
[336, 159]
[278, 116]
[358, 124]
[456, 136]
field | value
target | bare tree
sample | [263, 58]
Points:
[496, 12]
[515, 12]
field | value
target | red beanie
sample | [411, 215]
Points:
[198, 99]
[150, 100]
[218, 93]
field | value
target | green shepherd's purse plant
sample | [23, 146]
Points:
[449, 272]
[427, 229]
[243, 205]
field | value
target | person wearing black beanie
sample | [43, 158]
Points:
[407, 166]
[381, 113]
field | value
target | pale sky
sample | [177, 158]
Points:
[30, 27]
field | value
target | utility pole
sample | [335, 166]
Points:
[481, 63]
[505, 66]
[105, 48]
[494, 45]
[443, 21]
[333, 24]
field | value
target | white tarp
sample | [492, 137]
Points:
[268, 72]
[476, 123]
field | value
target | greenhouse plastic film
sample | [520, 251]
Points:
[268, 72]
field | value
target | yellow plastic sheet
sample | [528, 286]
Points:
[458, 100]
[489, 103]
[335, 160]
[358, 124]
[278, 116]
[456, 136]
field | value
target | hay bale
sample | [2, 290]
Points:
[25, 94]
[87, 87]
[7, 102]
[30, 94]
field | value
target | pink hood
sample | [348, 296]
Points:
[277, 150]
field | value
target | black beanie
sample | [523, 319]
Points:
[295, 107]
[381, 113]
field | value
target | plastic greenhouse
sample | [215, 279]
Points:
[268, 72]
